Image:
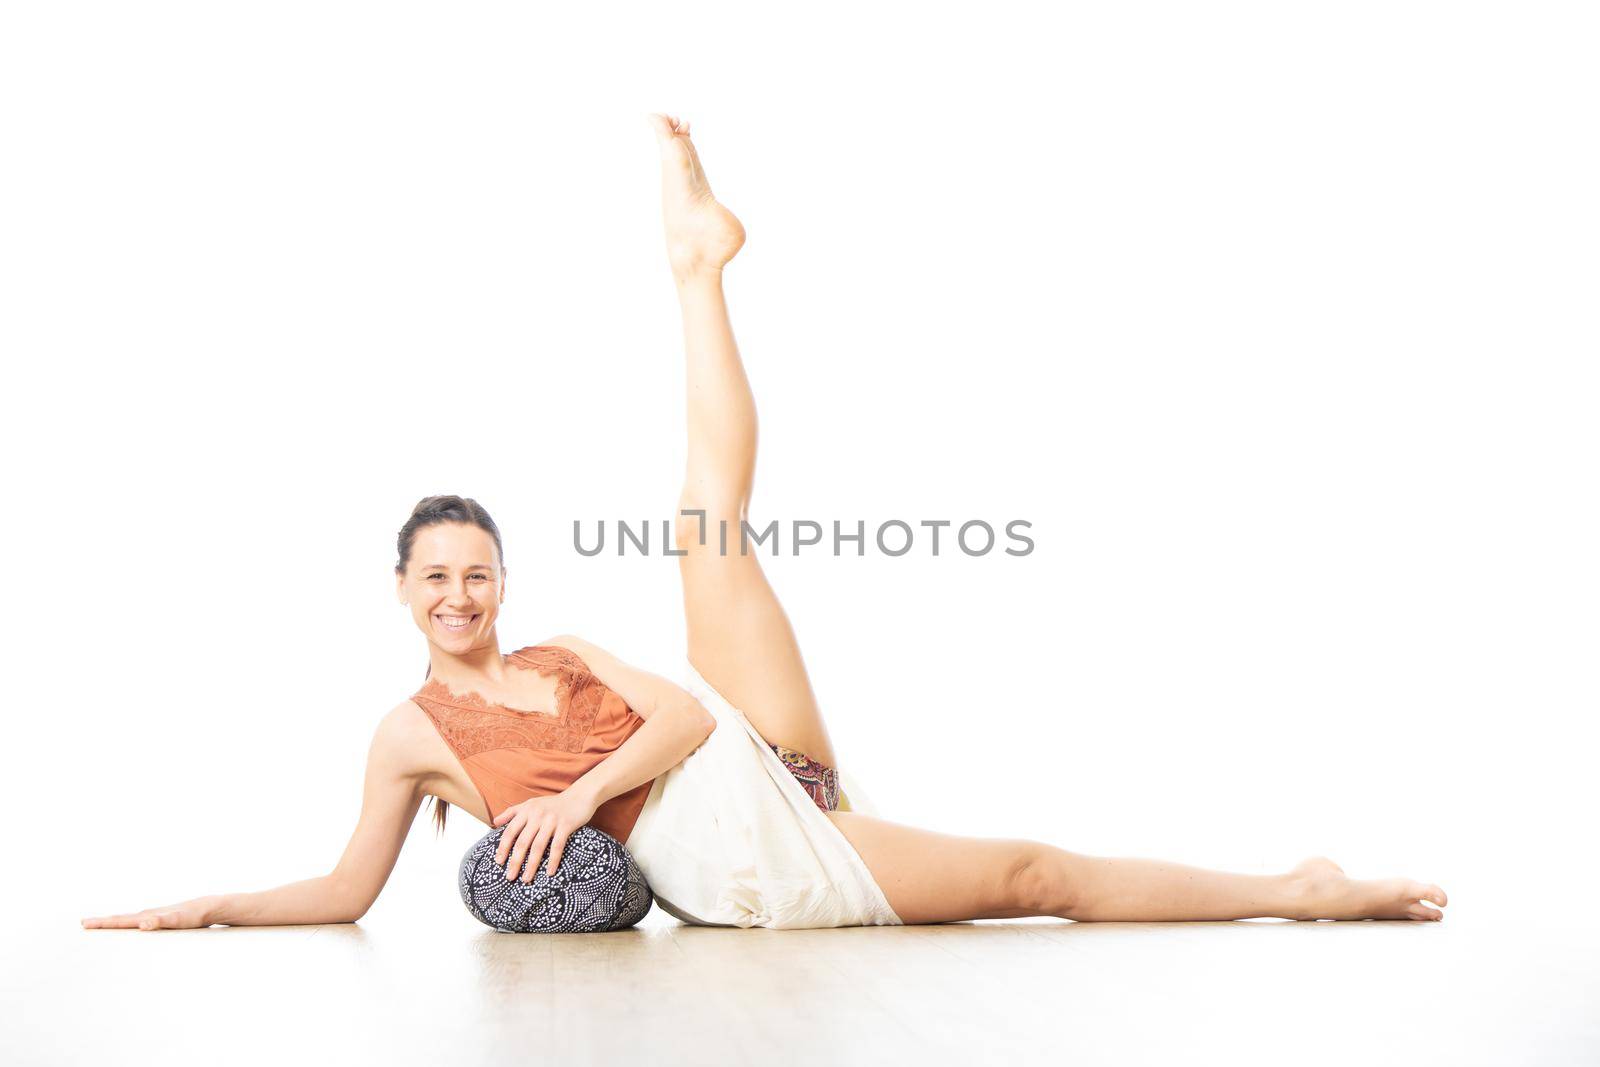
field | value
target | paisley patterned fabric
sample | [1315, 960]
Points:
[820, 781]
[597, 887]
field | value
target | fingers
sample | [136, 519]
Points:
[556, 846]
[137, 920]
[519, 848]
[530, 848]
[524, 841]
[507, 839]
[537, 852]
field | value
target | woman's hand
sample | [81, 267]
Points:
[190, 915]
[537, 822]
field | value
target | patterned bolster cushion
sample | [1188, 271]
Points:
[597, 887]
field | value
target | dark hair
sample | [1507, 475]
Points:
[434, 511]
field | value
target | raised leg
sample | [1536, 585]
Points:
[931, 877]
[739, 637]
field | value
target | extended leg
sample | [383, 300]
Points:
[739, 637]
[931, 877]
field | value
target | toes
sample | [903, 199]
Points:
[666, 135]
[667, 127]
[677, 154]
[1428, 892]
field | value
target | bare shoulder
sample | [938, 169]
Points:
[574, 643]
[643, 691]
[405, 740]
[406, 717]
[602, 664]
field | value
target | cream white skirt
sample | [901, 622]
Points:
[729, 838]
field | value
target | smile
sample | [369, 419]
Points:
[455, 622]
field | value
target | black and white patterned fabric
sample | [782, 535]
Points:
[597, 887]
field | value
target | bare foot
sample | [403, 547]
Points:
[1328, 893]
[702, 235]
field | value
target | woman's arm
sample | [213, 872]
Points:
[389, 802]
[675, 723]
[390, 799]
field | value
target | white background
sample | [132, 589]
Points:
[1277, 324]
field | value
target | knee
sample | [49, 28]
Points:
[1039, 882]
[701, 520]
[687, 532]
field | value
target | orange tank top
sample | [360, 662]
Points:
[512, 755]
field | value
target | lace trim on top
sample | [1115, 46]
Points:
[470, 724]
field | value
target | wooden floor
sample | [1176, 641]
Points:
[1028, 991]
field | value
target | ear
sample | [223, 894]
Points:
[400, 587]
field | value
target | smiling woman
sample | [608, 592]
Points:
[440, 602]
[432, 611]
[751, 824]
[531, 724]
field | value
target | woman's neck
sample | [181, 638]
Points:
[469, 669]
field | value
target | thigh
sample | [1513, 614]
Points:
[742, 643]
[930, 877]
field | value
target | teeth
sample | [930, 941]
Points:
[463, 620]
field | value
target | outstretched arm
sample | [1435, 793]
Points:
[390, 799]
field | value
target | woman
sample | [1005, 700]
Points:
[726, 792]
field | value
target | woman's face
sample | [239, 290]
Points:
[454, 585]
